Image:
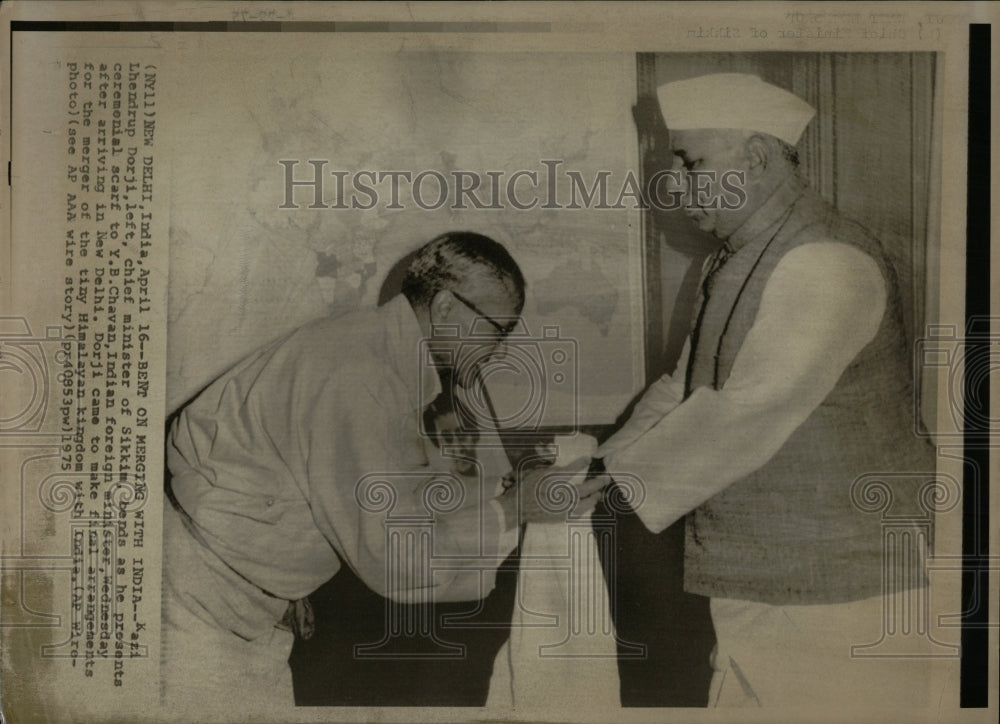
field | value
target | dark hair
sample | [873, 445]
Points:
[451, 259]
[786, 150]
[790, 152]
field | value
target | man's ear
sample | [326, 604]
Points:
[441, 306]
[758, 156]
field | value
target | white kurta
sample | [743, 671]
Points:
[822, 304]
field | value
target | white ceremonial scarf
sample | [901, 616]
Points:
[561, 649]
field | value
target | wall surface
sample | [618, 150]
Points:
[241, 278]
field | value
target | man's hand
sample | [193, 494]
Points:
[553, 495]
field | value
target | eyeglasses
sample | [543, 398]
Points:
[502, 330]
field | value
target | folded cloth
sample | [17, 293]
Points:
[562, 647]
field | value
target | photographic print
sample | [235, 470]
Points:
[467, 362]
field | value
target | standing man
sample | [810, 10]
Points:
[794, 383]
[269, 468]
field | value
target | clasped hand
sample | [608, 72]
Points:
[553, 494]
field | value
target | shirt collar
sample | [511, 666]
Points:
[786, 194]
[406, 353]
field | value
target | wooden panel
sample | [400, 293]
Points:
[873, 155]
[812, 80]
[646, 124]
[923, 188]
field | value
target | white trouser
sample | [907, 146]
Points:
[205, 670]
[801, 656]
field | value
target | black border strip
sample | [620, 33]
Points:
[975, 665]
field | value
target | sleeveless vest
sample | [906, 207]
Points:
[789, 533]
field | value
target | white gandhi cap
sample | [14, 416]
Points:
[734, 100]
